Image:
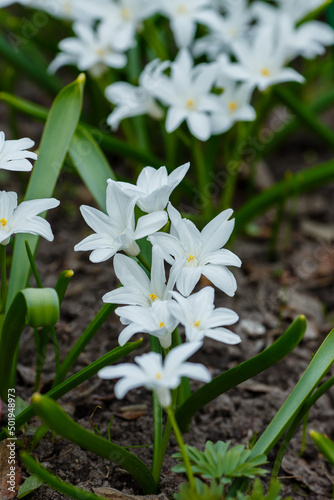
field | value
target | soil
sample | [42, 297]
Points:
[271, 293]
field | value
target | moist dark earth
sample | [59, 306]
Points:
[272, 291]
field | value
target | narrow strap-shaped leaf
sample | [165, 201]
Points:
[313, 374]
[91, 164]
[33, 306]
[106, 141]
[233, 377]
[59, 129]
[84, 340]
[62, 283]
[55, 417]
[77, 379]
[54, 482]
[324, 445]
[306, 115]
[300, 182]
[20, 61]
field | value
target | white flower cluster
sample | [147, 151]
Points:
[21, 218]
[248, 45]
[150, 304]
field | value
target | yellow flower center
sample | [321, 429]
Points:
[100, 52]
[232, 106]
[265, 72]
[190, 103]
[191, 258]
[162, 324]
[153, 297]
[182, 9]
[68, 7]
[196, 324]
[3, 222]
[158, 376]
[125, 13]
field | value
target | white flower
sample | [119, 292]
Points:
[184, 16]
[156, 320]
[307, 40]
[13, 154]
[152, 373]
[202, 251]
[225, 30]
[91, 50]
[261, 61]
[127, 16]
[154, 187]
[187, 93]
[198, 315]
[134, 101]
[78, 10]
[233, 105]
[298, 9]
[138, 289]
[23, 218]
[116, 231]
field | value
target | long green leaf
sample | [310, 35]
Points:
[77, 379]
[35, 307]
[57, 484]
[315, 371]
[91, 164]
[53, 415]
[233, 377]
[59, 129]
[32, 68]
[300, 182]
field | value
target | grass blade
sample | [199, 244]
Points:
[59, 129]
[233, 377]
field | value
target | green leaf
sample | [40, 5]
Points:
[293, 184]
[77, 379]
[59, 129]
[91, 164]
[53, 415]
[57, 484]
[32, 306]
[233, 377]
[32, 68]
[316, 370]
[324, 445]
[31, 484]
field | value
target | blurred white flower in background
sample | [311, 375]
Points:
[94, 50]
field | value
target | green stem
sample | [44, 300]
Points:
[182, 447]
[3, 271]
[144, 262]
[157, 413]
[33, 265]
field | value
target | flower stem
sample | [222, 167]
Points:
[182, 447]
[144, 262]
[3, 271]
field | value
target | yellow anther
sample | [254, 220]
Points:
[125, 13]
[68, 7]
[158, 376]
[153, 297]
[100, 52]
[265, 72]
[196, 324]
[182, 9]
[162, 324]
[232, 106]
[191, 258]
[3, 222]
[190, 103]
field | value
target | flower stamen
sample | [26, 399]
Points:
[153, 297]
[232, 106]
[158, 376]
[191, 258]
[182, 9]
[3, 222]
[196, 324]
[162, 324]
[190, 103]
[265, 72]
